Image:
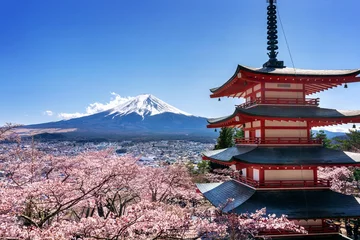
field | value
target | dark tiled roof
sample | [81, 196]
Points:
[285, 155]
[297, 156]
[298, 112]
[289, 112]
[231, 78]
[228, 153]
[218, 196]
[302, 72]
[296, 204]
[290, 72]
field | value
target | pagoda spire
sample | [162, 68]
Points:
[272, 37]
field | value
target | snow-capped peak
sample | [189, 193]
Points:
[145, 105]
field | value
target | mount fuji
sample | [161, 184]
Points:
[143, 115]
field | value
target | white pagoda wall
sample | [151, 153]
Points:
[275, 94]
[288, 175]
[283, 94]
[269, 123]
[295, 133]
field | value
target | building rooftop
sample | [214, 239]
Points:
[290, 112]
[301, 72]
[296, 204]
[329, 78]
[293, 155]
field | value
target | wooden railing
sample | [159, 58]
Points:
[319, 183]
[328, 228]
[294, 183]
[286, 101]
[246, 180]
[278, 140]
[322, 228]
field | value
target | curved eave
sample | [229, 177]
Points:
[301, 72]
[217, 91]
[324, 115]
[317, 80]
[248, 156]
[294, 203]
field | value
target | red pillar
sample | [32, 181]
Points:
[262, 176]
[315, 174]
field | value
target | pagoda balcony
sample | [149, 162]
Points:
[319, 183]
[311, 229]
[279, 140]
[281, 101]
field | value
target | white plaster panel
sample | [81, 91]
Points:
[257, 87]
[246, 134]
[256, 174]
[244, 172]
[258, 133]
[288, 175]
[276, 94]
[296, 133]
[284, 85]
[256, 123]
[269, 123]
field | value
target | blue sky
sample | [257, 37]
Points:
[62, 56]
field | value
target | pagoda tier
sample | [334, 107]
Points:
[290, 157]
[296, 204]
[248, 81]
[282, 125]
[312, 116]
[281, 167]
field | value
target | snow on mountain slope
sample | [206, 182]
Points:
[145, 105]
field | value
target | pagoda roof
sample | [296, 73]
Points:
[247, 75]
[299, 71]
[295, 113]
[293, 156]
[296, 204]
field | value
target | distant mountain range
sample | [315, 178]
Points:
[143, 115]
[331, 135]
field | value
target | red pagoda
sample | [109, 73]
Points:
[277, 159]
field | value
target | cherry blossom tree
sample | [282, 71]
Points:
[99, 195]
[341, 179]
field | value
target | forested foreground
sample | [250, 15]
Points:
[98, 195]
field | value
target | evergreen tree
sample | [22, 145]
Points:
[239, 133]
[326, 142]
[352, 143]
[226, 138]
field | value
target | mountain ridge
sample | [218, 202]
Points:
[143, 114]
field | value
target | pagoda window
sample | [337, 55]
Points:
[258, 133]
[258, 95]
[271, 175]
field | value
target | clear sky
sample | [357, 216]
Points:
[58, 57]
